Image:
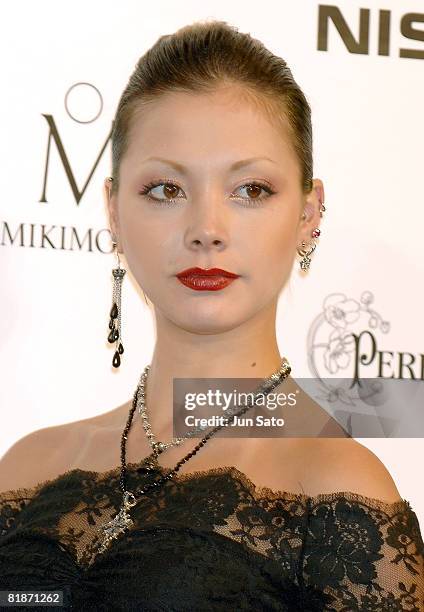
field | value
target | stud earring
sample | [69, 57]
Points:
[115, 312]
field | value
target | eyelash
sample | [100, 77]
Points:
[167, 202]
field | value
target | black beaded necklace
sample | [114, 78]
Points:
[122, 521]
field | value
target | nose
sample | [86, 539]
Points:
[207, 227]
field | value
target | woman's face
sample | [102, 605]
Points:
[204, 213]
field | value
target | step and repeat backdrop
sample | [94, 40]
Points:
[358, 311]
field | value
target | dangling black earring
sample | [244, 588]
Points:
[115, 312]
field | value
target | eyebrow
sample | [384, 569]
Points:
[235, 166]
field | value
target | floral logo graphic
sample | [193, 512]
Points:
[340, 313]
[331, 344]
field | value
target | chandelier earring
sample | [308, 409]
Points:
[115, 312]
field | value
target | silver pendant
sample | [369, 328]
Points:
[118, 525]
[305, 262]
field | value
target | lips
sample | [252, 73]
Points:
[202, 272]
[200, 279]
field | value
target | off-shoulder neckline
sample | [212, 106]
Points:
[257, 491]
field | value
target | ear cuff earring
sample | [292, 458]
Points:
[304, 253]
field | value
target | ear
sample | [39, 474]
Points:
[112, 209]
[314, 199]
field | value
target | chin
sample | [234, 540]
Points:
[208, 321]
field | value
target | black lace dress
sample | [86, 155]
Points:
[210, 540]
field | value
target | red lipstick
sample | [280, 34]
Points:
[200, 279]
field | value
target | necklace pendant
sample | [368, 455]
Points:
[118, 525]
[114, 528]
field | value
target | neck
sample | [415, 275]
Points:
[250, 351]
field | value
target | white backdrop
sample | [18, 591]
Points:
[55, 362]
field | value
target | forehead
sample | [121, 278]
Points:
[204, 125]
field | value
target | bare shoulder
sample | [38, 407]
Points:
[344, 464]
[34, 458]
[47, 453]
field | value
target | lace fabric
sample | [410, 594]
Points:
[211, 540]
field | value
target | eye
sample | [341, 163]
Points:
[170, 191]
[254, 188]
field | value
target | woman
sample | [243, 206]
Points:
[212, 168]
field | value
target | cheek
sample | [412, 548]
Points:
[138, 246]
[150, 252]
[272, 257]
[277, 243]
[137, 233]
